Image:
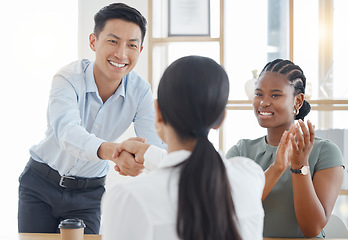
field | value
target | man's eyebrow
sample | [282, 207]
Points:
[113, 35]
[134, 40]
[131, 40]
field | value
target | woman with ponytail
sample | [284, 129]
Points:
[195, 194]
[303, 173]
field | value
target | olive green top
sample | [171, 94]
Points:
[280, 219]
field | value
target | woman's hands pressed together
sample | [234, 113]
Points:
[282, 161]
[301, 141]
[293, 150]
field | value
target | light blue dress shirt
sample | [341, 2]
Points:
[78, 121]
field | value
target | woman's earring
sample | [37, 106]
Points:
[296, 111]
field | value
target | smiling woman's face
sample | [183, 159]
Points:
[274, 101]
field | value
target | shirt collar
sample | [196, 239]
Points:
[174, 158]
[120, 91]
[91, 86]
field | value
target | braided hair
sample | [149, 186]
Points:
[296, 78]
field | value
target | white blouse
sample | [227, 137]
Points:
[145, 207]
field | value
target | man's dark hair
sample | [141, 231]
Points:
[119, 11]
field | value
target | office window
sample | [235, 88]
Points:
[254, 32]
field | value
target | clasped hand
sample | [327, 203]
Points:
[295, 146]
[129, 156]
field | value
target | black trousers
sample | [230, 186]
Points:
[43, 204]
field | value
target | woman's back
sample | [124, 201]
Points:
[152, 201]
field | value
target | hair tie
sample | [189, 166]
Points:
[201, 133]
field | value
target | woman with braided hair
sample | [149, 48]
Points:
[195, 193]
[303, 173]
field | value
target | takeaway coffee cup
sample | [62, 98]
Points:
[72, 229]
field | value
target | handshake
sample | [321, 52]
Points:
[127, 155]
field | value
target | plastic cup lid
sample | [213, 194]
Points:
[72, 223]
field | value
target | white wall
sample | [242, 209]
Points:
[38, 37]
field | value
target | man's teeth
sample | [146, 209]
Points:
[265, 113]
[117, 64]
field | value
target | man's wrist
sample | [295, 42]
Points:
[106, 150]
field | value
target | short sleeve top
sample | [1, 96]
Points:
[280, 219]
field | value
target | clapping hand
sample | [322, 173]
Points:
[302, 141]
[282, 161]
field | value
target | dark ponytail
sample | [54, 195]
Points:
[192, 97]
[296, 78]
[205, 206]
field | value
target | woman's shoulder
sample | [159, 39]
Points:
[247, 181]
[247, 147]
[251, 142]
[243, 163]
[325, 154]
[325, 146]
[145, 191]
[245, 168]
[326, 143]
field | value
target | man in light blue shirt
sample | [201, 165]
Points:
[91, 104]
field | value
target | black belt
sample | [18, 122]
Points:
[69, 182]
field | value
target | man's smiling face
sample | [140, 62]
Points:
[117, 49]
